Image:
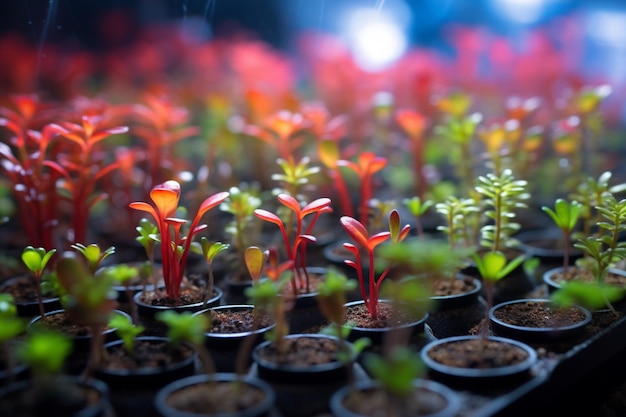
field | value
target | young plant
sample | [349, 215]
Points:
[329, 155]
[503, 195]
[294, 175]
[126, 330]
[606, 249]
[82, 167]
[591, 295]
[296, 246]
[45, 352]
[241, 203]
[36, 260]
[209, 250]
[87, 300]
[414, 124]
[175, 245]
[462, 219]
[565, 215]
[93, 254]
[147, 238]
[492, 267]
[186, 327]
[365, 167]
[418, 208]
[364, 243]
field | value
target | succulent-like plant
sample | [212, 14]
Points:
[126, 330]
[565, 216]
[418, 207]
[175, 244]
[93, 254]
[36, 260]
[209, 251]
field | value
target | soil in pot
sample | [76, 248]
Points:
[147, 354]
[360, 316]
[227, 397]
[302, 352]
[24, 291]
[478, 354]
[539, 321]
[574, 273]
[61, 397]
[428, 399]
[226, 320]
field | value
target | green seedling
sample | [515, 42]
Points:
[147, 237]
[493, 266]
[36, 260]
[396, 372]
[565, 215]
[461, 216]
[45, 352]
[126, 330]
[209, 250]
[123, 274]
[93, 254]
[417, 208]
[591, 295]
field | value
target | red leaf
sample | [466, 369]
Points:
[356, 230]
[290, 202]
[268, 216]
[316, 205]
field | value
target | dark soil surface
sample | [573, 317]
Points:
[23, 289]
[147, 354]
[223, 397]
[62, 322]
[445, 287]
[376, 402]
[359, 315]
[477, 354]
[57, 400]
[187, 296]
[235, 321]
[538, 315]
[302, 352]
[586, 276]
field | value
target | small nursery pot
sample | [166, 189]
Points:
[431, 399]
[309, 374]
[163, 399]
[554, 285]
[475, 376]
[224, 347]
[81, 342]
[453, 301]
[377, 334]
[28, 308]
[91, 399]
[141, 378]
[539, 333]
[149, 311]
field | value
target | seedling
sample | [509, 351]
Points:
[93, 254]
[296, 246]
[591, 295]
[417, 208]
[565, 215]
[186, 327]
[209, 251]
[11, 326]
[175, 245]
[364, 243]
[45, 352]
[126, 330]
[36, 260]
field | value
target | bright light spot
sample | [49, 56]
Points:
[521, 11]
[376, 39]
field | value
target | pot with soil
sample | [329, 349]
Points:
[59, 397]
[375, 329]
[230, 326]
[547, 245]
[538, 320]
[368, 399]
[554, 277]
[222, 394]
[478, 362]
[134, 376]
[306, 374]
[457, 307]
[23, 288]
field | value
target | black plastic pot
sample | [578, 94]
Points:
[302, 391]
[17, 400]
[555, 285]
[146, 310]
[536, 334]
[478, 377]
[165, 409]
[224, 347]
[30, 308]
[426, 392]
[377, 334]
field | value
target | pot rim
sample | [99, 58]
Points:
[474, 373]
[214, 299]
[453, 400]
[318, 368]
[85, 337]
[538, 330]
[217, 335]
[478, 286]
[160, 399]
[381, 330]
